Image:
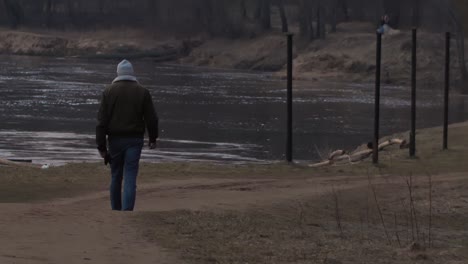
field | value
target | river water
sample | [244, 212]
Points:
[48, 108]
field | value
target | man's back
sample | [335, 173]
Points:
[126, 107]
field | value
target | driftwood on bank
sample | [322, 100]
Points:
[21, 164]
[340, 156]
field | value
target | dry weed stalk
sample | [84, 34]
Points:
[379, 210]
[397, 234]
[318, 152]
[301, 219]
[407, 220]
[367, 213]
[430, 209]
[414, 214]
[413, 228]
[361, 229]
[337, 212]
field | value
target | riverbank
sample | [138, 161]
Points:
[127, 43]
[347, 55]
[23, 184]
[402, 211]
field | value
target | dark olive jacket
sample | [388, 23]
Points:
[126, 110]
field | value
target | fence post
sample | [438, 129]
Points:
[447, 88]
[413, 96]
[289, 125]
[377, 100]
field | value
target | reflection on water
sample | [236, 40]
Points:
[48, 108]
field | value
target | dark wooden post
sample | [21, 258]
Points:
[289, 125]
[377, 99]
[447, 88]
[413, 96]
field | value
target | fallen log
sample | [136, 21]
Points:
[341, 155]
[321, 164]
[361, 155]
[342, 158]
[402, 142]
[336, 154]
[392, 142]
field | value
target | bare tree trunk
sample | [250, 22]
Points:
[101, 7]
[320, 21]
[14, 12]
[71, 12]
[243, 9]
[266, 14]
[323, 25]
[303, 21]
[358, 11]
[334, 19]
[284, 18]
[344, 8]
[306, 25]
[311, 28]
[48, 13]
[258, 10]
[392, 8]
[416, 13]
[378, 10]
[152, 14]
[209, 16]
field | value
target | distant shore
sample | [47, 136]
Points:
[348, 55]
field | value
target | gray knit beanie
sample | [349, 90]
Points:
[125, 72]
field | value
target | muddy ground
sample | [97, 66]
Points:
[402, 211]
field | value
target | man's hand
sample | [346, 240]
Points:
[103, 154]
[152, 145]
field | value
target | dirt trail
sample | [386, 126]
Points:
[77, 233]
[84, 230]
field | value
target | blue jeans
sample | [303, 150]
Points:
[125, 159]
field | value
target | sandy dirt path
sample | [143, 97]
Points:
[75, 233]
[84, 230]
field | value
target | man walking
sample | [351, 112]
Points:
[126, 110]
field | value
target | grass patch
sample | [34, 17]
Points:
[33, 185]
[307, 230]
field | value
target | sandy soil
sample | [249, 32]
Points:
[303, 227]
[83, 230]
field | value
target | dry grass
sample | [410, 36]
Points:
[33, 185]
[411, 211]
[305, 231]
